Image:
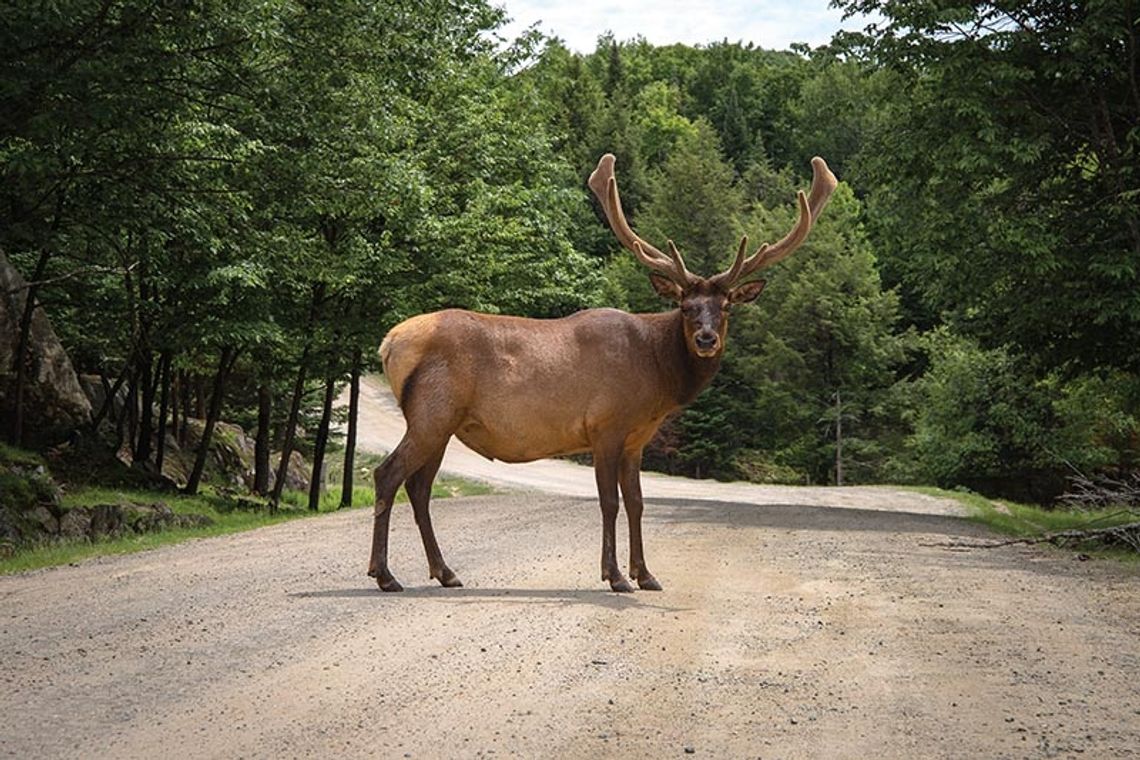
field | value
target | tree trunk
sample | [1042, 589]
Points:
[20, 360]
[199, 396]
[290, 431]
[110, 392]
[163, 410]
[317, 481]
[225, 364]
[144, 444]
[838, 438]
[261, 443]
[295, 405]
[132, 410]
[124, 422]
[183, 430]
[175, 388]
[346, 486]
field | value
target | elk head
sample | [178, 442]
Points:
[704, 301]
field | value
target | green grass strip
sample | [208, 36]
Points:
[225, 513]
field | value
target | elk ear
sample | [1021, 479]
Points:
[747, 292]
[665, 287]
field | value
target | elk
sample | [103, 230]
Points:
[600, 380]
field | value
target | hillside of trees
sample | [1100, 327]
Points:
[223, 206]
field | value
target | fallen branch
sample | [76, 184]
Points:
[1126, 535]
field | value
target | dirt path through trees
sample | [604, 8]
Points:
[785, 630]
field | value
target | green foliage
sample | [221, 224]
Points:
[985, 419]
[1029, 521]
[285, 182]
[274, 181]
[981, 421]
[822, 341]
[694, 202]
[1099, 422]
[1002, 172]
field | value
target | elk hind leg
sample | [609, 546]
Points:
[419, 493]
[432, 417]
[387, 478]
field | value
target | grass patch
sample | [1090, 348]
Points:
[229, 515]
[13, 456]
[1029, 521]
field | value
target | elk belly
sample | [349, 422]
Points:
[520, 439]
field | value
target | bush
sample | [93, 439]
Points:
[981, 421]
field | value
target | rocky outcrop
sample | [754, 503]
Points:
[231, 460]
[114, 520]
[299, 474]
[32, 514]
[54, 404]
[29, 501]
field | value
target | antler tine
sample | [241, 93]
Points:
[823, 183]
[603, 183]
[732, 274]
[767, 255]
[679, 264]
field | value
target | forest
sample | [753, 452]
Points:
[222, 207]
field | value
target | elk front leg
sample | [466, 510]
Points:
[606, 474]
[419, 493]
[629, 476]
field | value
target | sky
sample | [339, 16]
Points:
[769, 24]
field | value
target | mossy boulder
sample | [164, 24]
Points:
[29, 499]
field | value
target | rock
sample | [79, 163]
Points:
[54, 402]
[114, 520]
[230, 460]
[106, 520]
[29, 498]
[46, 522]
[75, 524]
[233, 453]
[299, 474]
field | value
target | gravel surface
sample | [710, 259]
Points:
[836, 624]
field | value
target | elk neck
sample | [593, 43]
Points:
[691, 374]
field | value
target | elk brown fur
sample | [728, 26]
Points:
[601, 381]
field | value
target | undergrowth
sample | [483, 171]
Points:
[227, 515]
[1026, 521]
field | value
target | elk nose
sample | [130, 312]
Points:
[706, 340]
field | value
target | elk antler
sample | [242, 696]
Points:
[823, 183]
[604, 184]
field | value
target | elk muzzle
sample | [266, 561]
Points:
[706, 342]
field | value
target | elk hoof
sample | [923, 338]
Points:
[648, 583]
[448, 579]
[621, 585]
[387, 582]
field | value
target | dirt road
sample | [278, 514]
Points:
[786, 630]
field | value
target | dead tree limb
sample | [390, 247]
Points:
[1127, 535]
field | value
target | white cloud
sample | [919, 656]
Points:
[770, 25]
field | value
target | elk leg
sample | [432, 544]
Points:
[629, 476]
[382, 477]
[432, 417]
[606, 474]
[419, 492]
[407, 457]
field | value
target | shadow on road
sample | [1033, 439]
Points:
[804, 517]
[560, 597]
